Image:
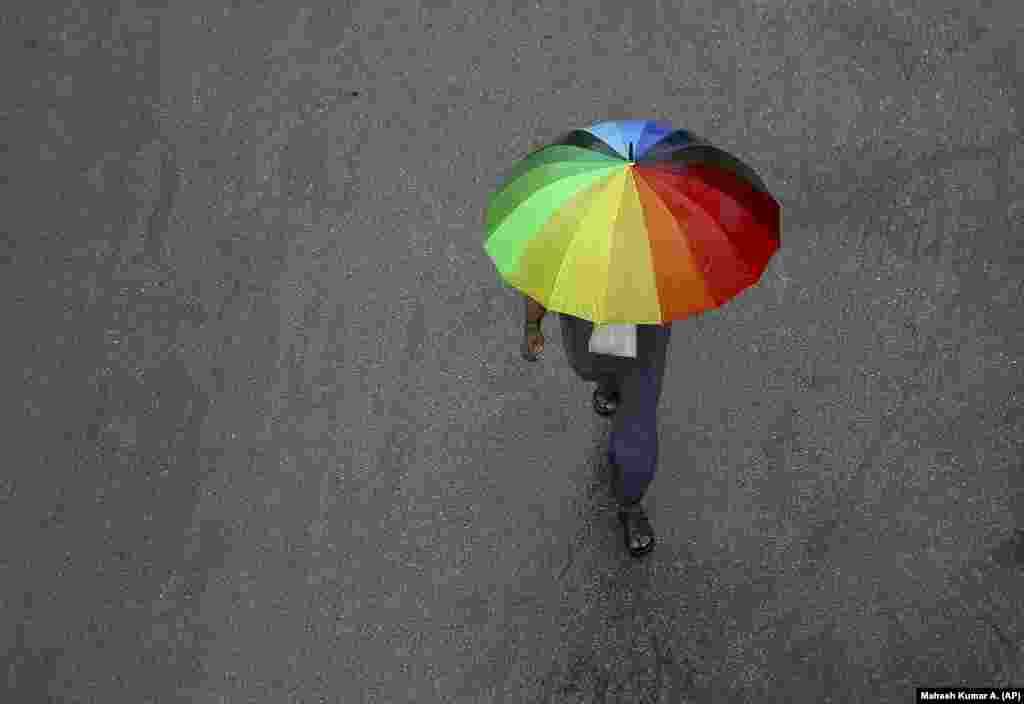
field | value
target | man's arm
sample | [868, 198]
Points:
[535, 312]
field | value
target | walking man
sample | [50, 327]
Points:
[628, 389]
[629, 224]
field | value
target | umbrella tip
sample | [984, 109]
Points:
[631, 151]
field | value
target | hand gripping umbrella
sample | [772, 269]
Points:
[631, 222]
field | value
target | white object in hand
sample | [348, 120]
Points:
[616, 339]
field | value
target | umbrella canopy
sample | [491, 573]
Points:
[631, 222]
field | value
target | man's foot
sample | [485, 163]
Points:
[636, 530]
[606, 402]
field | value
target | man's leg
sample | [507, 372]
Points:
[633, 445]
[573, 333]
[634, 437]
[609, 385]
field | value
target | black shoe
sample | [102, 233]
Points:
[606, 403]
[636, 530]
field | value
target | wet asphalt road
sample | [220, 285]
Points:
[269, 436]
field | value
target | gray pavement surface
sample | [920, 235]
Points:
[269, 437]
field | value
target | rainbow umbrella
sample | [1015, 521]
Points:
[631, 222]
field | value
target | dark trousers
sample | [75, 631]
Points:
[633, 445]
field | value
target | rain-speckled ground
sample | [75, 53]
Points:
[269, 437]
